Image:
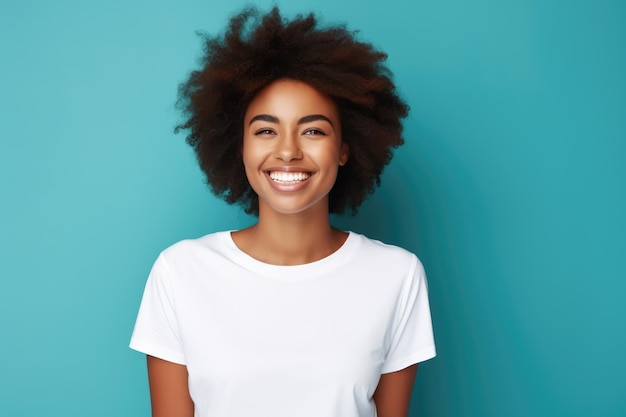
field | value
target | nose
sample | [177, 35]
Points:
[288, 148]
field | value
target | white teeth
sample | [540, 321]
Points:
[281, 176]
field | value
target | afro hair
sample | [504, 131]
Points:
[256, 50]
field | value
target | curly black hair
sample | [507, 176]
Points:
[256, 50]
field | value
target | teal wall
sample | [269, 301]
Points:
[511, 189]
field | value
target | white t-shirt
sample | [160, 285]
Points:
[282, 341]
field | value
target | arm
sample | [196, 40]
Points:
[169, 389]
[393, 394]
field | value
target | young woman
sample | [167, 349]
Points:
[289, 317]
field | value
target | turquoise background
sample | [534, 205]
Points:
[510, 189]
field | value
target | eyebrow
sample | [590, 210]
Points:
[305, 119]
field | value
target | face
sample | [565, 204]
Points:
[292, 147]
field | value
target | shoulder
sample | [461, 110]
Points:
[189, 261]
[206, 242]
[376, 250]
[374, 254]
[187, 252]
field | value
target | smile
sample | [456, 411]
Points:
[289, 177]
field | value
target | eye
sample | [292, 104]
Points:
[314, 132]
[264, 132]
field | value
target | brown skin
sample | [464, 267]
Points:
[169, 391]
[293, 226]
[393, 393]
[288, 127]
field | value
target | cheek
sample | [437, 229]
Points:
[248, 153]
[252, 158]
[331, 154]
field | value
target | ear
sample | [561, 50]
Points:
[345, 153]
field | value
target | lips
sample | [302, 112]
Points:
[289, 177]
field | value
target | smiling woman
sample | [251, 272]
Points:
[290, 316]
[292, 147]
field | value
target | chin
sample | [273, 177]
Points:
[292, 209]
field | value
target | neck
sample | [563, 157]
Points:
[290, 239]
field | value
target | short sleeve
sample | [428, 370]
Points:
[412, 341]
[156, 330]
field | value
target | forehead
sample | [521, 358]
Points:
[291, 99]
